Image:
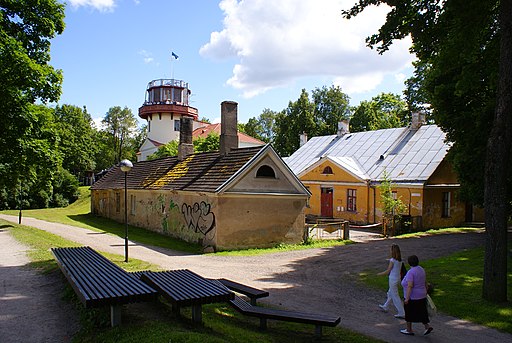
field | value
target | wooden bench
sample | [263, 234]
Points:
[251, 292]
[98, 282]
[265, 313]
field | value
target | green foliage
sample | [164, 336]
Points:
[120, 126]
[168, 149]
[208, 143]
[315, 117]
[76, 131]
[384, 111]
[263, 127]
[392, 208]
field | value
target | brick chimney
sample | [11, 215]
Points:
[303, 139]
[417, 119]
[185, 147]
[343, 127]
[229, 129]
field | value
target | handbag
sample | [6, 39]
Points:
[431, 307]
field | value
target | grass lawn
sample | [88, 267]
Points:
[458, 287]
[154, 322]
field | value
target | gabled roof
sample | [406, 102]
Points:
[200, 172]
[405, 154]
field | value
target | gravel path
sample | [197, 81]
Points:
[31, 309]
[316, 280]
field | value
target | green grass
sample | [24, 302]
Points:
[285, 247]
[78, 214]
[440, 232]
[154, 322]
[458, 287]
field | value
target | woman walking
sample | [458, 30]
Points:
[394, 267]
[415, 297]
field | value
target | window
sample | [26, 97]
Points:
[446, 204]
[149, 125]
[327, 170]
[351, 200]
[176, 125]
[133, 201]
[307, 200]
[118, 202]
[266, 172]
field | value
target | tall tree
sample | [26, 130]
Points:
[331, 106]
[298, 117]
[120, 123]
[26, 28]
[384, 111]
[76, 131]
[262, 127]
[465, 72]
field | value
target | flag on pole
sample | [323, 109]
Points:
[174, 55]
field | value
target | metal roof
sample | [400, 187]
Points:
[404, 153]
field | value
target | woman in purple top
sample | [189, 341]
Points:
[415, 297]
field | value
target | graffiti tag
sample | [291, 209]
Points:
[198, 217]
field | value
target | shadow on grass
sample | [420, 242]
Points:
[142, 236]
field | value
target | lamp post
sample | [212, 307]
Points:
[126, 166]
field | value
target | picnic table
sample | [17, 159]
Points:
[183, 287]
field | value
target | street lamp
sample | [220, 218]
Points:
[126, 166]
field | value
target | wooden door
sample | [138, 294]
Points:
[326, 202]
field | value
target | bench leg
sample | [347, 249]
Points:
[197, 313]
[318, 330]
[263, 323]
[253, 301]
[115, 315]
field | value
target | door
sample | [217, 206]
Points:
[326, 202]
[469, 212]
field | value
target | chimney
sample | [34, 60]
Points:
[343, 126]
[185, 147]
[303, 139]
[229, 129]
[417, 119]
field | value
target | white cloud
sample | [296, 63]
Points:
[147, 56]
[278, 42]
[101, 5]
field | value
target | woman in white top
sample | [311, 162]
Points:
[394, 267]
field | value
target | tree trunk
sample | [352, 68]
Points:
[496, 170]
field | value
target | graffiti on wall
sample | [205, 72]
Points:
[199, 217]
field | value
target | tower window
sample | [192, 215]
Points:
[266, 172]
[176, 125]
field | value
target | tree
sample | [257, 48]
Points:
[297, 118]
[168, 149]
[263, 127]
[331, 107]
[465, 73]
[77, 145]
[208, 143]
[384, 111]
[120, 125]
[392, 207]
[26, 28]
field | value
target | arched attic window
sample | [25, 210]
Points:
[327, 170]
[266, 171]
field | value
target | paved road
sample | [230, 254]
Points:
[320, 280]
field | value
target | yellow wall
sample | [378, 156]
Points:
[423, 204]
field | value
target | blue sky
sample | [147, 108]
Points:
[259, 53]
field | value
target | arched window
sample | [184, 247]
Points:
[266, 171]
[327, 170]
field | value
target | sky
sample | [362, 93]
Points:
[259, 53]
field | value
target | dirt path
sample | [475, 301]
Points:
[316, 280]
[31, 309]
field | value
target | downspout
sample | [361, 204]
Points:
[368, 201]
[374, 204]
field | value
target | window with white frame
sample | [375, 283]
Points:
[351, 200]
[446, 204]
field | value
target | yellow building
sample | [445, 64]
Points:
[343, 173]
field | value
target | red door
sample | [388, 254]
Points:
[326, 202]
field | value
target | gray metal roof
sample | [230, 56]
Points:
[406, 155]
